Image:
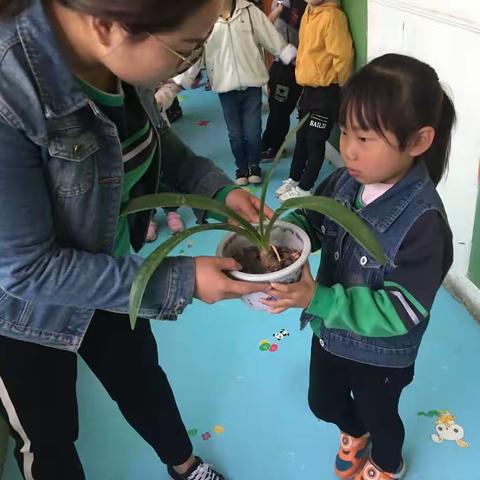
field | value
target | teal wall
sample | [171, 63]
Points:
[357, 13]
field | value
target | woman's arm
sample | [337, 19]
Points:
[34, 266]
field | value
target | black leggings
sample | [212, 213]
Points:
[360, 398]
[284, 95]
[39, 396]
[322, 105]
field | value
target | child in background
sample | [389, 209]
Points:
[236, 70]
[284, 90]
[368, 320]
[165, 97]
[324, 63]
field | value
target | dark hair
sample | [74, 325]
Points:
[401, 94]
[136, 16]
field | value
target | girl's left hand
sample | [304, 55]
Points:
[293, 295]
[246, 205]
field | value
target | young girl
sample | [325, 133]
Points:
[80, 136]
[237, 71]
[368, 320]
[324, 63]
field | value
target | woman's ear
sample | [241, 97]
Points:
[421, 142]
[108, 34]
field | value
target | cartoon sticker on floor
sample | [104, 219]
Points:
[280, 335]
[446, 427]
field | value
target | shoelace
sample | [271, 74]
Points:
[203, 472]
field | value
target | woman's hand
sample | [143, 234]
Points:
[212, 284]
[293, 295]
[246, 205]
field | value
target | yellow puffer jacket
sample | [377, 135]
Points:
[325, 54]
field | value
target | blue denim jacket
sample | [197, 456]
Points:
[61, 176]
[343, 260]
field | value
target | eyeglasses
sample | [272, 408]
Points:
[188, 61]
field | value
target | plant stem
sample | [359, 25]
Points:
[268, 177]
[274, 248]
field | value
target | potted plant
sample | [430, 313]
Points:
[275, 251]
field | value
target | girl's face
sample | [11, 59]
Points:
[156, 58]
[373, 158]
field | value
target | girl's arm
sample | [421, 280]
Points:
[300, 219]
[276, 13]
[269, 38]
[407, 294]
[303, 219]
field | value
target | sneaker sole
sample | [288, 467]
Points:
[241, 182]
[254, 180]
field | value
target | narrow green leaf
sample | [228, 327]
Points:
[161, 200]
[148, 268]
[341, 215]
[268, 177]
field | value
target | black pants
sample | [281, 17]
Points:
[322, 105]
[37, 389]
[360, 398]
[284, 95]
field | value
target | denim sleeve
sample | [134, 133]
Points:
[35, 267]
[187, 172]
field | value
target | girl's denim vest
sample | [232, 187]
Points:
[345, 262]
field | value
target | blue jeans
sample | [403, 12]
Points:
[242, 110]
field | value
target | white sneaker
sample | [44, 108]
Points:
[255, 176]
[286, 186]
[294, 192]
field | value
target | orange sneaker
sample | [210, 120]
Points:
[371, 472]
[352, 455]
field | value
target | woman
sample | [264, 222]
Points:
[78, 141]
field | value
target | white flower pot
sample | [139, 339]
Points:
[284, 234]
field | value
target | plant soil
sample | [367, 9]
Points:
[252, 261]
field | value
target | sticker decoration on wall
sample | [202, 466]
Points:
[192, 432]
[446, 427]
[202, 123]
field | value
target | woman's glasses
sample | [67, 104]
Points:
[188, 61]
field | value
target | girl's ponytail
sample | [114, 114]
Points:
[436, 157]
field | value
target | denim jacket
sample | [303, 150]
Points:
[61, 175]
[345, 262]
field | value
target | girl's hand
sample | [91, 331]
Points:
[293, 295]
[246, 205]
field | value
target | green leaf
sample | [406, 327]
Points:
[161, 200]
[268, 177]
[148, 268]
[341, 215]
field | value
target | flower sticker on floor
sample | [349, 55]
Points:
[446, 427]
